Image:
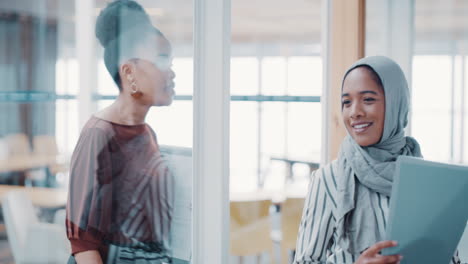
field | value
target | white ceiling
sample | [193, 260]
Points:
[263, 21]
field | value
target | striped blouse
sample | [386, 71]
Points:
[121, 193]
[316, 242]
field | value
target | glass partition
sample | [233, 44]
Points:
[117, 186]
[276, 123]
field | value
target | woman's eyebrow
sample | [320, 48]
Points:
[372, 92]
[362, 92]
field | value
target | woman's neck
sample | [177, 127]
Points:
[125, 111]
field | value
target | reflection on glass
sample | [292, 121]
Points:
[125, 203]
[66, 127]
[130, 191]
[37, 98]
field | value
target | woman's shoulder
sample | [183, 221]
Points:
[327, 171]
[95, 130]
[326, 176]
[95, 123]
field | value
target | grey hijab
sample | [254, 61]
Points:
[363, 170]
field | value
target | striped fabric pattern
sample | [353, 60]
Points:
[316, 242]
[146, 254]
[151, 204]
[121, 192]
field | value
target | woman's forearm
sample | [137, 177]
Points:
[88, 257]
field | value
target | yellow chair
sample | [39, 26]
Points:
[291, 214]
[250, 228]
[46, 145]
[17, 147]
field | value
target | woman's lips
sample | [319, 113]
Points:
[361, 127]
[170, 88]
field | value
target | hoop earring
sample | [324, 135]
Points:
[135, 93]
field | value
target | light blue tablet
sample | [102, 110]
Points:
[428, 210]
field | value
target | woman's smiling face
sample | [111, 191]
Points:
[363, 106]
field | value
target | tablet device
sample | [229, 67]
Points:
[428, 210]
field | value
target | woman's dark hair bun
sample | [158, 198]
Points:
[118, 17]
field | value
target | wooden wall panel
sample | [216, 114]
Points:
[346, 45]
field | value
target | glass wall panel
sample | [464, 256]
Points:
[244, 156]
[464, 110]
[276, 84]
[118, 187]
[244, 76]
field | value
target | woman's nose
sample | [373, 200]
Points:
[171, 74]
[356, 111]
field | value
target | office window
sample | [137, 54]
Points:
[275, 113]
[431, 48]
[276, 121]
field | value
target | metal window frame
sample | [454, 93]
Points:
[211, 131]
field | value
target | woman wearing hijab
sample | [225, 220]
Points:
[347, 205]
[121, 193]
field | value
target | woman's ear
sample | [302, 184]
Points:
[127, 72]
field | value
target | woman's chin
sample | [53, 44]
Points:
[169, 102]
[166, 102]
[366, 142]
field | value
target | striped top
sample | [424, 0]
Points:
[121, 191]
[316, 242]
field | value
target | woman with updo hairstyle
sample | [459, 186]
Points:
[121, 193]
